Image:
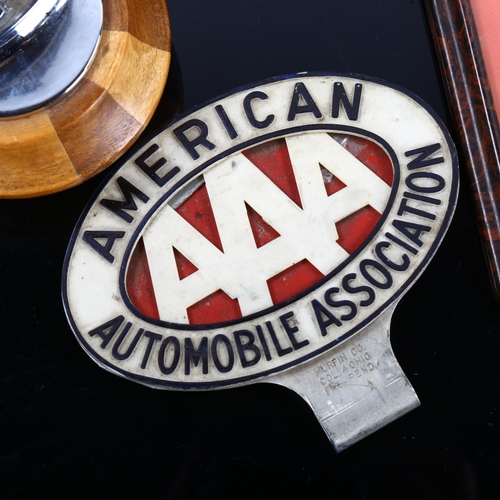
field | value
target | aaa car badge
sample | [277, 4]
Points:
[268, 236]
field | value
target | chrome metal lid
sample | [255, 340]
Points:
[45, 47]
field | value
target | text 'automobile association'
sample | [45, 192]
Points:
[259, 231]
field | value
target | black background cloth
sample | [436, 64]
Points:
[69, 429]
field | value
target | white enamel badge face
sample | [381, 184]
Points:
[275, 227]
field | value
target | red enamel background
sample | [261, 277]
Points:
[273, 160]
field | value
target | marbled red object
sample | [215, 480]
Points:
[469, 96]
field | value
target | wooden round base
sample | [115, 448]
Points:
[85, 130]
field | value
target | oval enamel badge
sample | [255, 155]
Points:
[260, 231]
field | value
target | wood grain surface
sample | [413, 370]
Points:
[462, 66]
[85, 130]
